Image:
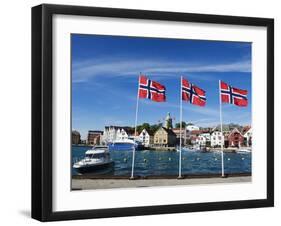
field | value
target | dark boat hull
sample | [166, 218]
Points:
[95, 168]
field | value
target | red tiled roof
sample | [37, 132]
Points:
[196, 132]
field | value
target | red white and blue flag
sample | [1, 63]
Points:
[233, 95]
[151, 90]
[192, 93]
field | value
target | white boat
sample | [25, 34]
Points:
[125, 144]
[183, 149]
[196, 148]
[124, 141]
[95, 160]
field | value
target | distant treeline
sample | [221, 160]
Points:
[154, 127]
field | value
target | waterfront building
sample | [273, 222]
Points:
[235, 138]
[248, 137]
[76, 137]
[244, 129]
[192, 141]
[94, 137]
[113, 133]
[133, 137]
[217, 139]
[124, 133]
[165, 137]
[180, 133]
[145, 138]
[226, 134]
[121, 134]
[204, 139]
[191, 136]
[109, 134]
[191, 127]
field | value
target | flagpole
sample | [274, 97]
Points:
[136, 121]
[180, 176]
[184, 142]
[222, 141]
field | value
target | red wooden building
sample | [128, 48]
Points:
[235, 138]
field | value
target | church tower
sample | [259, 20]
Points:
[168, 121]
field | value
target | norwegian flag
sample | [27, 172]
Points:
[151, 90]
[192, 93]
[233, 95]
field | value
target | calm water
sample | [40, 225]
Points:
[166, 162]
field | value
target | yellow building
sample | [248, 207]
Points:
[165, 137]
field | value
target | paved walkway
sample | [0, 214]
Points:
[84, 184]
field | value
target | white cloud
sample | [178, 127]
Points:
[85, 70]
[204, 111]
[211, 112]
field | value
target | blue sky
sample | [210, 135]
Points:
[105, 72]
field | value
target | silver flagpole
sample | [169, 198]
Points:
[184, 143]
[180, 176]
[222, 161]
[136, 121]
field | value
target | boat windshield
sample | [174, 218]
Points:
[100, 147]
[96, 156]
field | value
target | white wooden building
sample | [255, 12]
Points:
[248, 137]
[121, 134]
[217, 139]
[114, 133]
[109, 134]
[203, 138]
[145, 138]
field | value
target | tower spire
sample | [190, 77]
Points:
[168, 121]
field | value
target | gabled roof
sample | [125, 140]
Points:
[169, 131]
[128, 130]
[196, 132]
[149, 133]
[234, 130]
[245, 129]
[217, 130]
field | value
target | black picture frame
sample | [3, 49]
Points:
[42, 111]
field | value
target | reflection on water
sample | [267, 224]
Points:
[148, 163]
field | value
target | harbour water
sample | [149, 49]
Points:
[150, 163]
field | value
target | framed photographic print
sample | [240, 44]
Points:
[145, 112]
